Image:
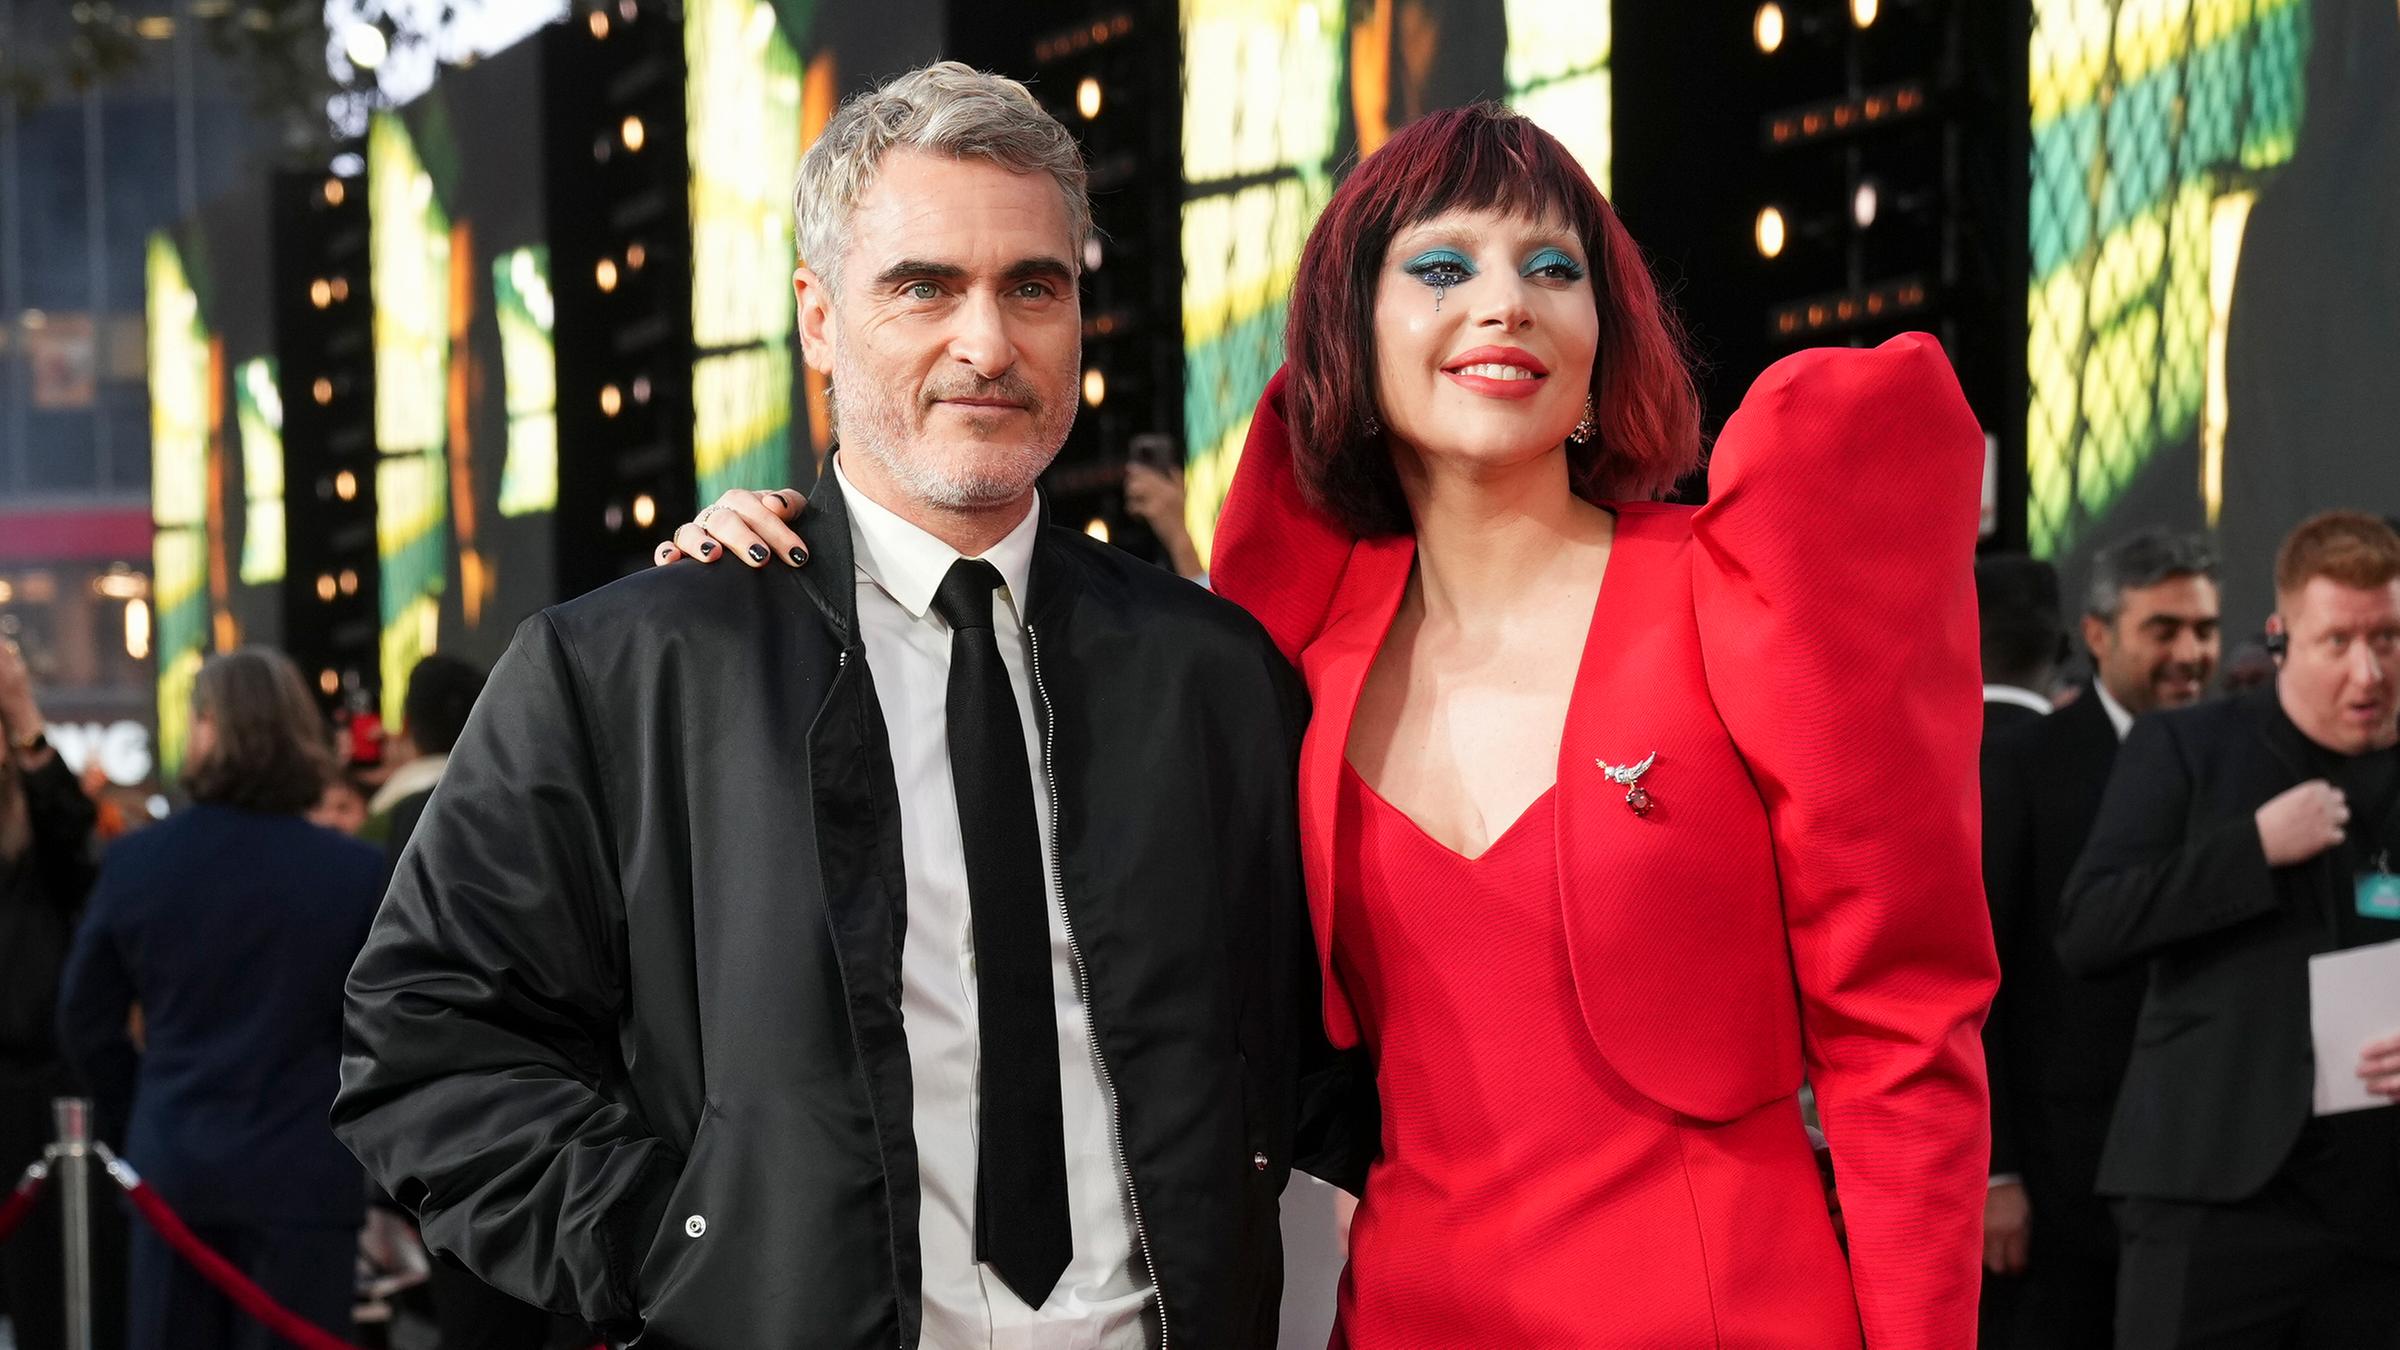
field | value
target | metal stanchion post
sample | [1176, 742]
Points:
[72, 1169]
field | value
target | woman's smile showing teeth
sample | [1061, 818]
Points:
[1498, 372]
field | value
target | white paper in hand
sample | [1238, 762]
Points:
[2353, 998]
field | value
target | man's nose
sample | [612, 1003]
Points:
[2367, 665]
[981, 340]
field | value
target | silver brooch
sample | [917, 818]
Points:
[1629, 777]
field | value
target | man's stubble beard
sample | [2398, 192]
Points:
[877, 425]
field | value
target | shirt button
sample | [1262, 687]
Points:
[694, 1226]
[1258, 1162]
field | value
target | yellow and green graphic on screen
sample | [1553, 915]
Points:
[527, 314]
[1262, 94]
[179, 394]
[2154, 124]
[258, 412]
[409, 247]
[1264, 89]
[744, 112]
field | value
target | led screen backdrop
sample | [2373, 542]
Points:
[2212, 223]
[409, 247]
[744, 107]
[179, 489]
[258, 413]
[529, 375]
[1277, 94]
[2153, 126]
[466, 366]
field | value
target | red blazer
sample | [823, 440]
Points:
[1805, 894]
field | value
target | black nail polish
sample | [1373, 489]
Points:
[758, 553]
[799, 557]
[707, 547]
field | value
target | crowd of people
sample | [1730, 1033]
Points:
[2161, 867]
[951, 931]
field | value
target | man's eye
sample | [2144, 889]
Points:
[922, 290]
[1034, 290]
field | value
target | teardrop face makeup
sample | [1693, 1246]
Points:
[1486, 329]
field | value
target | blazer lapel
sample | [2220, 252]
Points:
[1335, 667]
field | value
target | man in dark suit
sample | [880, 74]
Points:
[2016, 601]
[2237, 840]
[2056, 1043]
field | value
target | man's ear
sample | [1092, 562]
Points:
[2095, 636]
[2278, 639]
[814, 301]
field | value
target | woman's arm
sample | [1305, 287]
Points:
[1835, 593]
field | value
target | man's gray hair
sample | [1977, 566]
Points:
[2144, 560]
[946, 109]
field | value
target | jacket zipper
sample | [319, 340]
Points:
[1083, 990]
[841, 663]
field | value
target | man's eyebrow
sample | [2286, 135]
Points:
[1027, 269]
[911, 269]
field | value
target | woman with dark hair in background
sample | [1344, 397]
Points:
[46, 827]
[231, 925]
[1619, 819]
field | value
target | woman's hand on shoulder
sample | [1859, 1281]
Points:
[752, 526]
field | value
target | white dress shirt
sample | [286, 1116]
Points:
[2018, 695]
[2117, 716]
[1100, 1302]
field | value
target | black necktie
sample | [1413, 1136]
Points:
[1021, 1226]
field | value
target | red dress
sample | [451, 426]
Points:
[1488, 1224]
[1589, 1108]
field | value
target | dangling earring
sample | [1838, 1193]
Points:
[1587, 428]
[1374, 424]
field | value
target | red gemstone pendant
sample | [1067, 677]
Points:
[1639, 801]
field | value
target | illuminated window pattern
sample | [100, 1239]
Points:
[258, 412]
[2148, 115]
[409, 247]
[1263, 88]
[744, 111]
[527, 316]
[179, 393]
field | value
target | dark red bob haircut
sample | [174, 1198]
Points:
[1482, 157]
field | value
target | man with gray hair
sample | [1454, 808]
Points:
[904, 949]
[2057, 1043]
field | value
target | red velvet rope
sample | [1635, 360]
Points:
[20, 1201]
[228, 1280]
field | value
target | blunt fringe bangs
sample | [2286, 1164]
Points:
[1481, 157]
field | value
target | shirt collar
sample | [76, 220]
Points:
[2117, 716]
[2018, 695]
[908, 564]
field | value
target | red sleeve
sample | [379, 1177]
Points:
[1834, 583]
[1275, 555]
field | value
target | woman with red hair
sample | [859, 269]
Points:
[1620, 819]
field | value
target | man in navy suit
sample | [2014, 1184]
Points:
[231, 927]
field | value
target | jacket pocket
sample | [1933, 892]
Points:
[684, 1231]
